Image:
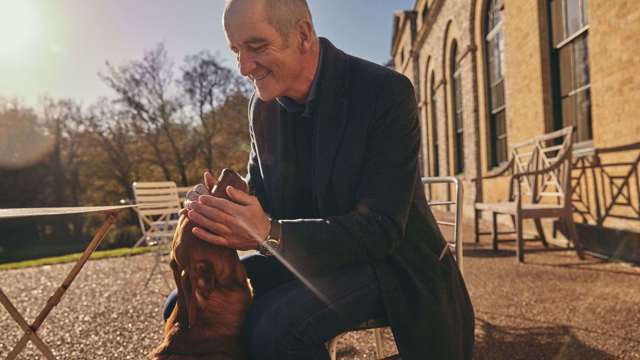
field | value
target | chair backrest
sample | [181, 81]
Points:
[156, 198]
[455, 244]
[157, 208]
[548, 156]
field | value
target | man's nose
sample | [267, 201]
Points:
[246, 64]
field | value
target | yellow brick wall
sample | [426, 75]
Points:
[524, 71]
[614, 45]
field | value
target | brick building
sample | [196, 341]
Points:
[490, 73]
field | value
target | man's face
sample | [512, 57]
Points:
[262, 54]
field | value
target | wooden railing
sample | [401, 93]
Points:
[606, 188]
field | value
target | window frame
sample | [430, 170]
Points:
[458, 110]
[495, 158]
[433, 105]
[583, 134]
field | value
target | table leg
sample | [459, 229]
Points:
[55, 298]
[25, 327]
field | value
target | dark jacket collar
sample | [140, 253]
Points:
[293, 106]
[330, 115]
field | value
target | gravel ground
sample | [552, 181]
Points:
[553, 307]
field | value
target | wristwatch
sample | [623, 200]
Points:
[273, 239]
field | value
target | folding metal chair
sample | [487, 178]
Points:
[157, 205]
[455, 246]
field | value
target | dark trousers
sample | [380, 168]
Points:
[289, 321]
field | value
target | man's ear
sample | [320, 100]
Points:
[304, 31]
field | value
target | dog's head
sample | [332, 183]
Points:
[212, 284]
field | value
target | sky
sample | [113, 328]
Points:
[57, 47]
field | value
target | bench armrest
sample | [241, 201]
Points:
[499, 172]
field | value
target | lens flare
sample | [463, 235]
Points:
[18, 27]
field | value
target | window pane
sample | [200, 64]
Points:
[492, 63]
[581, 61]
[459, 153]
[501, 128]
[568, 111]
[494, 14]
[565, 62]
[583, 115]
[495, 54]
[497, 96]
[585, 12]
[434, 126]
[573, 21]
[557, 28]
[498, 138]
[500, 54]
[458, 93]
[502, 151]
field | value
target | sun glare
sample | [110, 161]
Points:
[18, 27]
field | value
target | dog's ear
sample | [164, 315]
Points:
[186, 290]
[202, 281]
[180, 311]
[209, 180]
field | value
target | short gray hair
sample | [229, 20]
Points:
[283, 14]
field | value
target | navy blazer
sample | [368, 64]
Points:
[371, 202]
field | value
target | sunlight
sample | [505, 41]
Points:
[18, 27]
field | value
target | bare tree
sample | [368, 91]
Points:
[206, 85]
[112, 130]
[64, 121]
[145, 88]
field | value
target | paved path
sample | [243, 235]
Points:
[553, 307]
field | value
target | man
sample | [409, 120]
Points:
[335, 191]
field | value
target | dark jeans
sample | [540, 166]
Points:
[288, 321]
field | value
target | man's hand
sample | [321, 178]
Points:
[201, 189]
[240, 224]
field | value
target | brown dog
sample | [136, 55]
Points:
[213, 294]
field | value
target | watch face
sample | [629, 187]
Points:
[268, 245]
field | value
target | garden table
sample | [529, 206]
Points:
[30, 331]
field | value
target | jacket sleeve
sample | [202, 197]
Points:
[376, 224]
[254, 177]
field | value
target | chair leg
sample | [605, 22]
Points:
[494, 230]
[377, 332]
[156, 265]
[519, 239]
[573, 234]
[477, 225]
[540, 230]
[331, 346]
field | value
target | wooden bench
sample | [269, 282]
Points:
[539, 173]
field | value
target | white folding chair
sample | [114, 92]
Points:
[454, 245]
[157, 205]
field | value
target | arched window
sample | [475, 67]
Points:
[570, 65]
[456, 97]
[494, 38]
[434, 125]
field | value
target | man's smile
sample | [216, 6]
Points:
[260, 77]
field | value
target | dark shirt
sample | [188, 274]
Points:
[297, 154]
